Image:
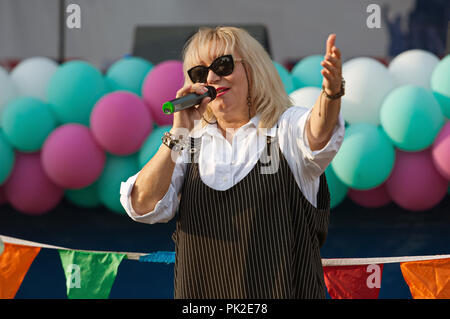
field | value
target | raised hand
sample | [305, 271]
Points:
[332, 67]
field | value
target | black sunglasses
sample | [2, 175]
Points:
[222, 66]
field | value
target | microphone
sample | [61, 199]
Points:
[187, 101]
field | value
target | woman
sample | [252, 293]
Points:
[254, 203]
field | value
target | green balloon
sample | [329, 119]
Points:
[27, 122]
[151, 145]
[366, 157]
[7, 158]
[73, 91]
[440, 84]
[117, 169]
[286, 77]
[307, 72]
[411, 117]
[128, 74]
[84, 197]
[338, 190]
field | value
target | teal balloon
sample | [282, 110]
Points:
[307, 72]
[27, 122]
[338, 190]
[117, 169]
[286, 77]
[73, 91]
[151, 145]
[86, 197]
[411, 117]
[7, 158]
[440, 84]
[366, 157]
[128, 74]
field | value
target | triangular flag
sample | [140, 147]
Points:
[353, 282]
[89, 275]
[428, 279]
[14, 264]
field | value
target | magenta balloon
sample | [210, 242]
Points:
[440, 151]
[28, 188]
[414, 183]
[161, 85]
[372, 198]
[121, 122]
[71, 157]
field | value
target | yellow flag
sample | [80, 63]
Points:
[428, 279]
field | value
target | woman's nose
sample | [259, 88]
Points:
[212, 77]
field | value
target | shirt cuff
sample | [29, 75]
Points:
[154, 216]
[333, 144]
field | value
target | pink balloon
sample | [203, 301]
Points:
[28, 189]
[414, 183]
[71, 157]
[120, 122]
[440, 151]
[161, 85]
[372, 198]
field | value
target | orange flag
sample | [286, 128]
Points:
[14, 264]
[428, 279]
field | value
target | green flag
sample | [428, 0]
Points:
[89, 275]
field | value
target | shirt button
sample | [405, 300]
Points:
[225, 179]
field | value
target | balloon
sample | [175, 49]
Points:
[120, 122]
[411, 117]
[128, 74]
[71, 157]
[307, 72]
[305, 96]
[27, 122]
[367, 82]
[28, 189]
[372, 198]
[8, 90]
[84, 197]
[73, 91]
[440, 151]
[151, 145]
[117, 169]
[440, 84]
[366, 157]
[161, 85]
[7, 157]
[415, 184]
[31, 76]
[285, 76]
[413, 67]
[338, 190]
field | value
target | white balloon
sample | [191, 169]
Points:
[367, 82]
[32, 75]
[305, 96]
[8, 90]
[413, 67]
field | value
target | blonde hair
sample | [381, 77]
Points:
[268, 96]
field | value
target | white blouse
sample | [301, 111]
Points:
[222, 165]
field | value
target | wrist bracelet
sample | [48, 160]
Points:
[173, 143]
[337, 95]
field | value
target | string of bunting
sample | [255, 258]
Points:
[345, 278]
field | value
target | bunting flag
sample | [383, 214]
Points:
[428, 279]
[89, 275]
[353, 281]
[14, 264]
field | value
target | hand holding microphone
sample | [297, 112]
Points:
[189, 104]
